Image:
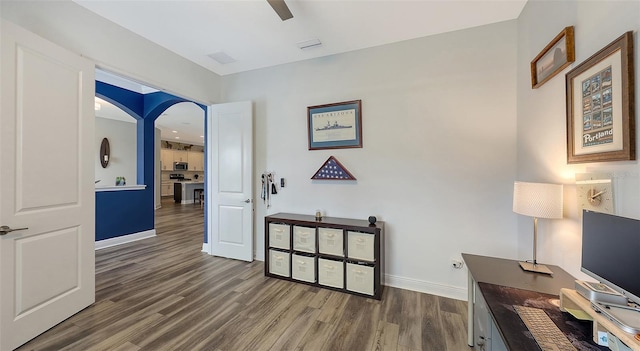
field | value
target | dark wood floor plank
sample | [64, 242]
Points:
[164, 293]
[291, 337]
[433, 335]
[455, 331]
[411, 321]
[316, 337]
[386, 338]
[333, 307]
[275, 326]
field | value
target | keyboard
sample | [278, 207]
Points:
[544, 331]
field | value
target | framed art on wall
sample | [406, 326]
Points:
[557, 55]
[335, 126]
[600, 105]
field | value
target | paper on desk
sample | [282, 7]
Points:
[579, 314]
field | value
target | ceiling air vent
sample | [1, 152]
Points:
[308, 44]
[222, 58]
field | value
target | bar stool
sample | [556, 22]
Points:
[198, 194]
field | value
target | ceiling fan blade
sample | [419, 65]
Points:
[281, 9]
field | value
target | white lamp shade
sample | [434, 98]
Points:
[538, 200]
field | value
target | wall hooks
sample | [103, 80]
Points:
[269, 187]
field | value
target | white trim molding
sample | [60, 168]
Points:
[425, 287]
[120, 188]
[422, 286]
[119, 240]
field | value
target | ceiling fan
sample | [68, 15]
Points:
[281, 9]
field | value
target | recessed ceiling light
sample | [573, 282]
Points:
[97, 106]
[174, 131]
[202, 136]
[222, 58]
[177, 137]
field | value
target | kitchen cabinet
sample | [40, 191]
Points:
[166, 189]
[166, 159]
[196, 160]
[180, 156]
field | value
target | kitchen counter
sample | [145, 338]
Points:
[120, 187]
[183, 191]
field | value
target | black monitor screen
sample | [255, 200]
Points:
[611, 251]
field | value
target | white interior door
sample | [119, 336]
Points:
[47, 272]
[229, 184]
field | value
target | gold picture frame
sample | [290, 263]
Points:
[557, 55]
[600, 105]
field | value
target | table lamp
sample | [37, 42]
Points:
[537, 200]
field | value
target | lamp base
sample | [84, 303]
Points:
[538, 268]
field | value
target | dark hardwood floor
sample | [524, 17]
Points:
[163, 293]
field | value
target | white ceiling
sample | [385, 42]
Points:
[250, 31]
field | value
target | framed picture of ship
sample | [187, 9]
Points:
[335, 126]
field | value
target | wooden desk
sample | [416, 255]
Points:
[495, 284]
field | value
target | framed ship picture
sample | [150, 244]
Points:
[335, 126]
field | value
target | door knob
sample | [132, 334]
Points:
[247, 201]
[5, 229]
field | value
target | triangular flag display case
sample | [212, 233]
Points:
[333, 170]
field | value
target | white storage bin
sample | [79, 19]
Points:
[330, 241]
[303, 268]
[279, 236]
[331, 273]
[360, 278]
[279, 263]
[360, 246]
[304, 239]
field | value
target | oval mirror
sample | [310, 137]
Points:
[104, 153]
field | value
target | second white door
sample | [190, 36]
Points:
[229, 184]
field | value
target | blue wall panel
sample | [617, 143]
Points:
[123, 212]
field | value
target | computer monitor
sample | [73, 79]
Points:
[611, 252]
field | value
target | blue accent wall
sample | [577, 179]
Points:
[123, 212]
[126, 212]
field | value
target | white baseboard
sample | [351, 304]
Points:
[125, 239]
[425, 287]
[419, 286]
[205, 248]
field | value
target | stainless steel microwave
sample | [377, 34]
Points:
[180, 166]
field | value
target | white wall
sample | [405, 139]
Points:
[542, 119]
[439, 155]
[114, 48]
[122, 143]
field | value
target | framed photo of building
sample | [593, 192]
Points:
[600, 105]
[557, 55]
[335, 126]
